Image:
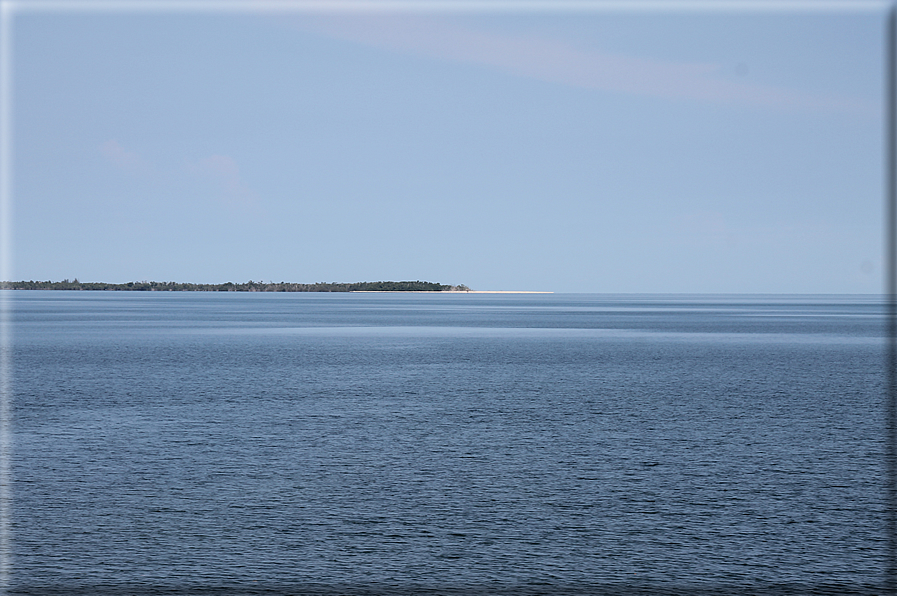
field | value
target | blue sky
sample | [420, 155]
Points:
[568, 151]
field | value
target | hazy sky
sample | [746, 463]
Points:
[574, 151]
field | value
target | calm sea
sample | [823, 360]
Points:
[224, 443]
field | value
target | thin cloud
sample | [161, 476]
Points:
[223, 172]
[559, 62]
[711, 229]
[124, 159]
[219, 172]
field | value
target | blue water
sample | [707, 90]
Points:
[185, 443]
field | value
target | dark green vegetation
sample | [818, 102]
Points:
[250, 286]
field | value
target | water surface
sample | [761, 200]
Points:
[400, 443]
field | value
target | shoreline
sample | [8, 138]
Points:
[449, 292]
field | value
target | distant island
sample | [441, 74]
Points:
[250, 286]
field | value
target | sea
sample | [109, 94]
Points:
[221, 443]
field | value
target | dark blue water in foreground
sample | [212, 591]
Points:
[387, 443]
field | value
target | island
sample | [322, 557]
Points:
[250, 286]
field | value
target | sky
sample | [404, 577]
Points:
[674, 150]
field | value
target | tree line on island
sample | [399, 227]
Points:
[250, 286]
